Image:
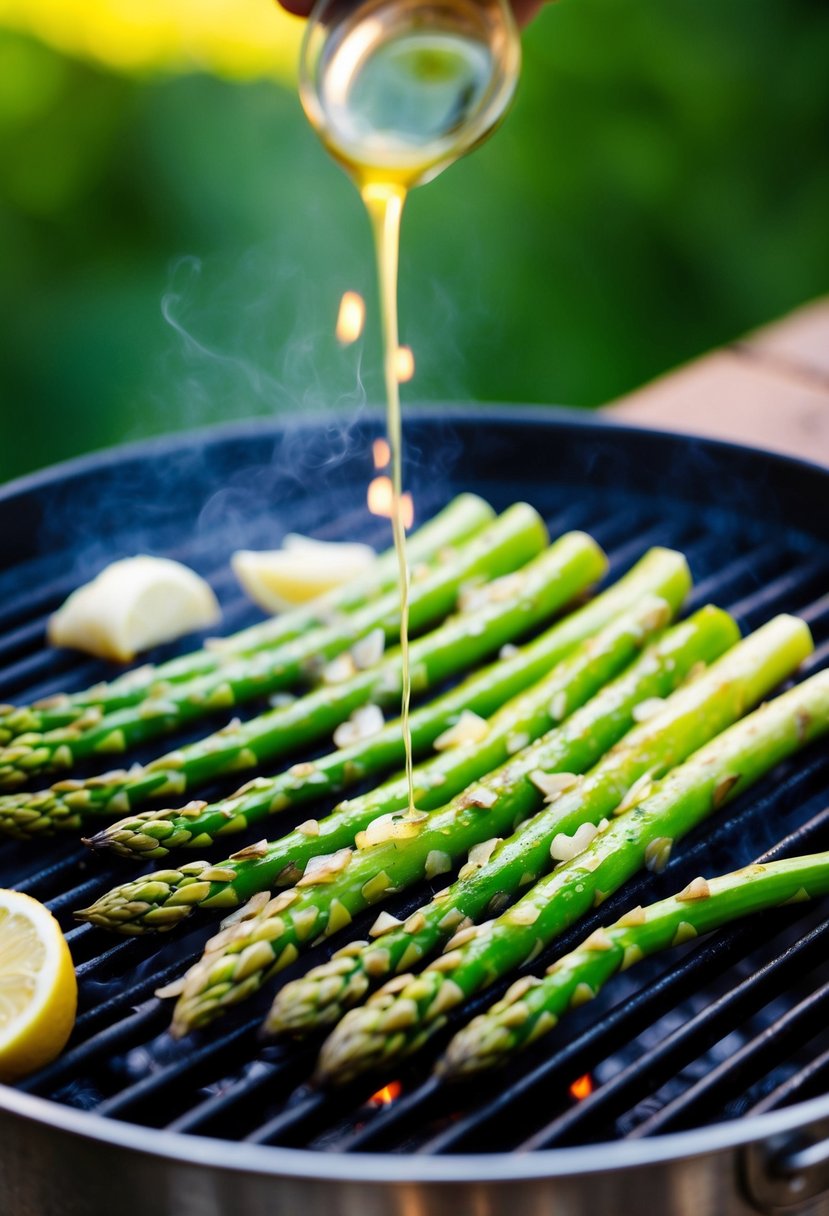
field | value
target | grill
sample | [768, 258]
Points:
[701, 1068]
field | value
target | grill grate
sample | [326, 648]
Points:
[730, 1025]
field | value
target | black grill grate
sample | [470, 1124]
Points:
[732, 1025]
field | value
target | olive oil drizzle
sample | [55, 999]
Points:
[384, 202]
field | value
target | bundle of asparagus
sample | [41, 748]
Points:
[532, 1007]
[395, 854]
[159, 901]
[403, 1016]
[689, 718]
[498, 549]
[542, 587]
[455, 524]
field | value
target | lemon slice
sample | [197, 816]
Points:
[134, 604]
[38, 991]
[277, 579]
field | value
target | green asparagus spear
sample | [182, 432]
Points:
[691, 717]
[396, 852]
[400, 1018]
[532, 1006]
[515, 537]
[457, 522]
[158, 902]
[542, 587]
[660, 572]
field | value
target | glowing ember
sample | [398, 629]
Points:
[350, 318]
[380, 501]
[581, 1088]
[381, 452]
[404, 364]
[386, 1095]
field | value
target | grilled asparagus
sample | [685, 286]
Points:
[688, 719]
[160, 901]
[151, 834]
[401, 1018]
[532, 1006]
[395, 853]
[545, 585]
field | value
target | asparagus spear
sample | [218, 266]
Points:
[407, 849]
[660, 572]
[689, 718]
[456, 523]
[535, 593]
[511, 540]
[401, 1017]
[532, 1006]
[158, 902]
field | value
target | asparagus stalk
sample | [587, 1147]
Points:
[151, 834]
[532, 1007]
[691, 717]
[241, 959]
[501, 547]
[456, 523]
[537, 591]
[158, 902]
[401, 1017]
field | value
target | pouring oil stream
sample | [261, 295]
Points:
[398, 90]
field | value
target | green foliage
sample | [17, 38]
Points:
[661, 186]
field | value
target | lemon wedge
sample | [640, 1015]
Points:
[133, 604]
[38, 991]
[277, 579]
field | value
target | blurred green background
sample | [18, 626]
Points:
[175, 241]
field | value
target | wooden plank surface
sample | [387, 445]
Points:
[770, 389]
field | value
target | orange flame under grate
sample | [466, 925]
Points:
[581, 1088]
[388, 1094]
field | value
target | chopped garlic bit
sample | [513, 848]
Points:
[469, 728]
[517, 740]
[480, 854]
[131, 605]
[369, 650]
[437, 862]
[639, 790]
[508, 651]
[324, 868]
[648, 708]
[340, 669]
[366, 721]
[553, 785]
[558, 706]
[394, 826]
[480, 797]
[565, 848]
[658, 854]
